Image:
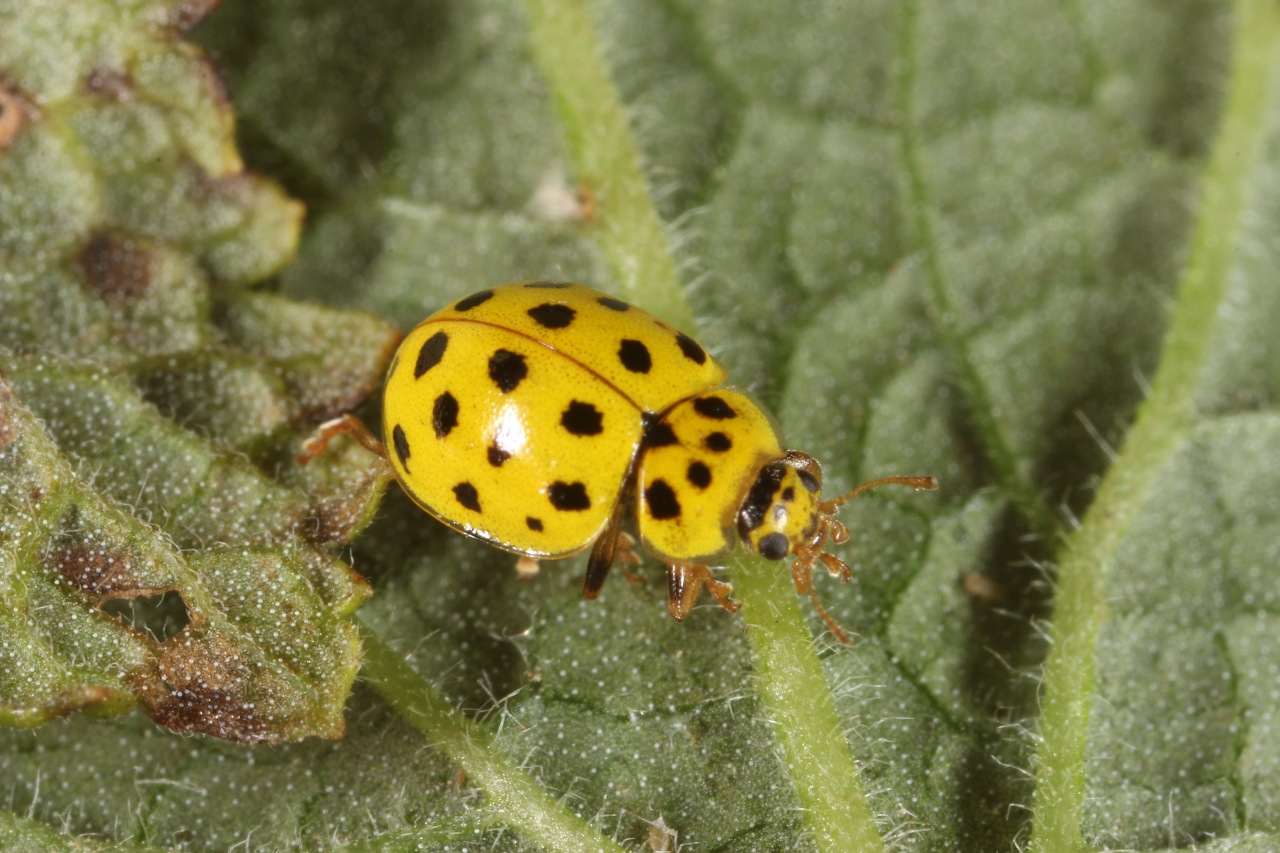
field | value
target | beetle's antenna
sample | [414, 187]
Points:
[832, 530]
[830, 506]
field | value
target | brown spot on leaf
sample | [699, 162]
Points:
[188, 13]
[108, 83]
[94, 569]
[203, 686]
[118, 269]
[15, 112]
[335, 518]
[331, 521]
[8, 429]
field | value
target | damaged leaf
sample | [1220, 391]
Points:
[160, 549]
[255, 644]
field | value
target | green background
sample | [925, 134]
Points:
[1028, 247]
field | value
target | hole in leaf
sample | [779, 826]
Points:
[161, 616]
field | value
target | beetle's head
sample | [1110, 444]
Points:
[781, 513]
[784, 514]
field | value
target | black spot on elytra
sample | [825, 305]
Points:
[774, 546]
[444, 414]
[547, 284]
[698, 474]
[467, 496]
[507, 369]
[402, 446]
[692, 349]
[714, 407]
[718, 442]
[431, 353]
[635, 356]
[497, 456]
[809, 481]
[467, 303]
[788, 494]
[662, 502]
[660, 435]
[551, 316]
[568, 497]
[613, 304]
[582, 419]
[533, 523]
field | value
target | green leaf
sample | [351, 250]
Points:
[1186, 499]
[24, 835]
[1026, 247]
[158, 547]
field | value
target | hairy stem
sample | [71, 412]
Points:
[789, 674]
[1162, 424]
[514, 795]
[605, 158]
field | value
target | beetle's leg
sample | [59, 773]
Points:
[603, 553]
[331, 429]
[527, 567]
[836, 567]
[802, 576]
[685, 581]
[626, 557]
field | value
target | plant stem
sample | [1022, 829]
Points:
[790, 677]
[1162, 425]
[788, 673]
[605, 158]
[512, 793]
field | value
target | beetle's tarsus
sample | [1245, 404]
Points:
[347, 424]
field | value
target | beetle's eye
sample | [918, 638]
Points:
[774, 546]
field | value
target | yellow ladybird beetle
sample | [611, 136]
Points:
[531, 415]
